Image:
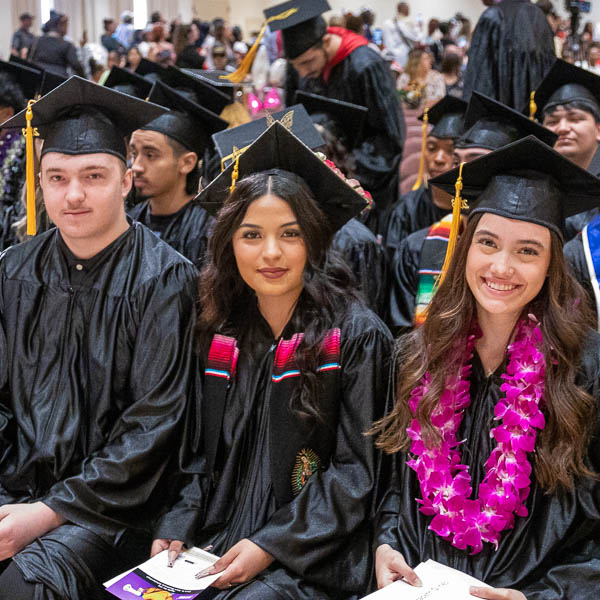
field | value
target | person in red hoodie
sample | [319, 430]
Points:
[338, 64]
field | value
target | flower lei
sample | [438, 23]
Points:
[446, 483]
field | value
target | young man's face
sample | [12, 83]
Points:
[578, 133]
[310, 64]
[84, 194]
[154, 166]
[438, 155]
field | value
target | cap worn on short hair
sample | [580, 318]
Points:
[447, 117]
[492, 125]
[527, 181]
[215, 79]
[350, 117]
[50, 80]
[187, 122]
[567, 83]
[28, 79]
[150, 70]
[82, 117]
[128, 83]
[278, 148]
[243, 136]
[303, 28]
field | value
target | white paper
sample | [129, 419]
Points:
[439, 583]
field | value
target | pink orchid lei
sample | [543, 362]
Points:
[446, 483]
[353, 183]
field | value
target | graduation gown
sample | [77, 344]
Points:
[414, 211]
[575, 257]
[90, 410]
[254, 441]
[511, 51]
[552, 553]
[187, 230]
[364, 78]
[366, 258]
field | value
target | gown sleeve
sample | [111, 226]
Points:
[109, 486]
[305, 534]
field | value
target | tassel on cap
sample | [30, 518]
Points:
[240, 73]
[29, 133]
[532, 106]
[419, 181]
[458, 204]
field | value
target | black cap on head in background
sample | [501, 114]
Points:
[528, 181]
[195, 89]
[295, 118]
[150, 70]
[215, 79]
[278, 148]
[492, 125]
[50, 80]
[447, 117]
[566, 83]
[129, 83]
[303, 28]
[28, 79]
[82, 117]
[350, 117]
[187, 123]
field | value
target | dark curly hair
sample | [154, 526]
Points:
[229, 306]
[10, 93]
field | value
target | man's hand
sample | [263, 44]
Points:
[391, 566]
[244, 561]
[20, 524]
[496, 593]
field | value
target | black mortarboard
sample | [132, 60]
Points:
[447, 116]
[150, 70]
[128, 82]
[492, 125]
[195, 89]
[28, 79]
[528, 181]
[50, 80]
[187, 122]
[302, 28]
[214, 78]
[278, 148]
[242, 136]
[82, 117]
[350, 117]
[566, 83]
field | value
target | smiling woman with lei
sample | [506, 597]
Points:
[494, 433]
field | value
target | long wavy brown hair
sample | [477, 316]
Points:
[565, 317]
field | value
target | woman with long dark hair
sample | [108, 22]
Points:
[495, 426]
[293, 369]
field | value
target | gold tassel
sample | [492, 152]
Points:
[532, 106]
[458, 204]
[236, 169]
[29, 132]
[423, 143]
[240, 73]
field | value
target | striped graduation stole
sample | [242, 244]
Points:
[433, 253]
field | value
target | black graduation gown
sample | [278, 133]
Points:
[575, 257]
[359, 248]
[91, 410]
[364, 78]
[187, 230]
[319, 538]
[511, 51]
[404, 283]
[551, 554]
[414, 211]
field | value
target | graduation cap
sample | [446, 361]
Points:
[241, 137]
[50, 80]
[79, 117]
[278, 148]
[128, 83]
[302, 28]
[566, 83]
[350, 117]
[187, 122]
[195, 89]
[150, 70]
[27, 79]
[214, 78]
[492, 125]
